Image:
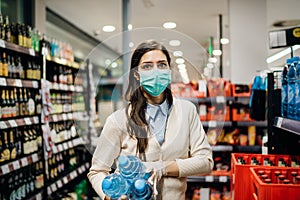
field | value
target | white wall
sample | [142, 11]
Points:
[249, 38]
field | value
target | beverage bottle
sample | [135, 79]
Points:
[114, 186]
[131, 167]
[142, 190]
[298, 91]
[284, 89]
[292, 89]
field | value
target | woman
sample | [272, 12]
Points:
[165, 133]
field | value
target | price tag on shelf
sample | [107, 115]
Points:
[3, 125]
[49, 190]
[223, 179]
[65, 145]
[75, 174]
[220, 99]
[54, 148]
[80, 170]
[2, 43]
[212, 124]
[18, 83]
[64, 116]
[5, 169]
[35, 84]
[72, 88]
[70, 116]
[34, 157]
[209, 179]
[60, 148]
[12, 123]
[279, 122]
[36, 120]
[27, 121]
[24, 162]
[59, 184]
[16, 165]
[31, 52]
[65, 180]
[87, 165]
[3, 82]
[70, 144]
[55, 118]
[53, 187]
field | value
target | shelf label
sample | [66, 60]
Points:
[220, 99]
[223, 179]
[279, 122]
[72, 88]
[54, 148]
[55, 118]
[70, 144]
[12, 123]
[5, 169]
[60, 148]
[53, 187]
[36, 120]
[64, 117]
[34, 157]
[70, 116]
[24, 162]
[49, 190]
[65, 145]
[16, 165]
[65, 180]
[59, 184]
[209, 179]
[31, 52]
[3, 81]
[2, 43]
[18, 83]
[27, 121]
[212, 124]
[3, 125]
[87, 165]
[35, 84]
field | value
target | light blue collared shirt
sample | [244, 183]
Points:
[156, 116]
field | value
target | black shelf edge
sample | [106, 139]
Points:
[253, 123]
[220, 148]
[290, 125]
[208, 179]
[16, 82]
[14, 47]
[248, 149]
[62, 61]
[215, 124]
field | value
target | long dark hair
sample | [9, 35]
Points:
[136, 120]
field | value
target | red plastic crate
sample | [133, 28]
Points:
[240, 173]
[275, 190]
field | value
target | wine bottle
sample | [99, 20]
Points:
[2, 159]
[30, 104]
[12, 147]
[6, 151]
[7, 29]
[2, 28]
[4, 65]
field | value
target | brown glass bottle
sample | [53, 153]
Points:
[6, 151]
[7, 30]
[4, 65]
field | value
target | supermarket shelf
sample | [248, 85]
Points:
[209, 179]
[68, 116]
[38, 196]
[65, 62]
[214, 124]
[17, 164]
[12, 123]
[66, 179]
[252, 123]
[292, 126]
[66, 87]
[221, 148]
[17, 48]
[18, 82]
[248, 149]
[67, 145]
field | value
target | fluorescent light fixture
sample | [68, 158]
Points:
[224, 40]
[108, 28]
[210, 65]
[217, 52]
[129, 26]
[177, 53]
[174, 43]
[179, 60]
[181, 66]
[131, 44]
[107, 62]
[281, 54]
[169, 25]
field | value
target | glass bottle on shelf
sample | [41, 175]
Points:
[1, 150]
[19, 34]
[6, 152]
[4, 65]
[7, 29]
[12, 147]
[13, 104]
[2, 28]
[3, 104]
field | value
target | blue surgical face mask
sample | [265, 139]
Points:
[155, 81]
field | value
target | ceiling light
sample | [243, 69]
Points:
[114, 65]
[107, 62]
[210, 65]
[224, 40]
[108, 28]
[174, 43]
[177, 53]
[217, 52]
[179, 60]
[212, 60]
[131, 44]
[181, 66]
[281, 54]
[129, 26]
[169, 25]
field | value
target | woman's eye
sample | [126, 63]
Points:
[146, 66]
[162, 65]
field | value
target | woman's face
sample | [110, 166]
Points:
[151, 59]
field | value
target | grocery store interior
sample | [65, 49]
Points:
[64, 69]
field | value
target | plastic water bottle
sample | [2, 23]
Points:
[292, 89]
[142, 190]
[298, 91]
[131, 168]
[284, 88]
[114, 186]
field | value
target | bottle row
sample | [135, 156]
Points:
[23, 183]
[19, 102]
[67, 102]
[60, 74]
[62, 131]
[280, 176]
[18, 142]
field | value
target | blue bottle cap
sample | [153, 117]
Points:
[106, 183]
[289, 61]
[123, 160]
[140, 185]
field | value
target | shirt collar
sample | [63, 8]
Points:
[152, 110]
